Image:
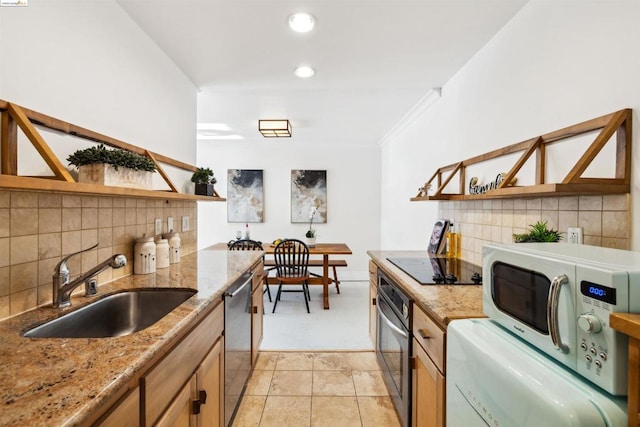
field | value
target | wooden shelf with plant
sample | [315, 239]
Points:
[14, 117]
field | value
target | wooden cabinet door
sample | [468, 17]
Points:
[373, 312]
[209, 380]
[428, 391]
[257, 311]
[126, 412]
[179, 413]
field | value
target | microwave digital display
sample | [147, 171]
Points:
[599, 292]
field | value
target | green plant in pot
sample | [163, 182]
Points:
[204, 180]
[538, 232]
[100, 165]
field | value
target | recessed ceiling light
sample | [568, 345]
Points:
[302, 22]
[304, 72]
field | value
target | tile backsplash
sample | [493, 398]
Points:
[605, 220]
[38, 228]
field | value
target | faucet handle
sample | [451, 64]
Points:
[61, 267]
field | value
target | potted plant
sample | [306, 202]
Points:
[204, 181]
[311, 232]
[538, 232]
[100, 165]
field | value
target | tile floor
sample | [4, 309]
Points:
[316, 389]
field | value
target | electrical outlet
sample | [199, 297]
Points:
[170, 224]
[158, 223]
[185, 223]
[574, 235]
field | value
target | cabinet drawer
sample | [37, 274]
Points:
[430, 337]
[172, 372]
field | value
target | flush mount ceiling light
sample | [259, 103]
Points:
[304, 72]
[275, 128]
[301, 22]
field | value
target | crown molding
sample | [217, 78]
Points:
[416, 111]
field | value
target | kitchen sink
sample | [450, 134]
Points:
[114, 315]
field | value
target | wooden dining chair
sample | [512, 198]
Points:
[252, 245]
[292, 267]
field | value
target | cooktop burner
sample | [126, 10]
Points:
[437, 271]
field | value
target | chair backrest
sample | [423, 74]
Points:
[245, 245]
[292, 258]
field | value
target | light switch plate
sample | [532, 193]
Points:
[170, 224]
[185, 223]
[158, 223]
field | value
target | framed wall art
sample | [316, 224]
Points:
[245, 194]
[308, 191]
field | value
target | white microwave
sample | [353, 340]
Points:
[558, 297]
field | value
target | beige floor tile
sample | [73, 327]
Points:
[377, 412]
[291, 383]
[331, 362]
[249, 411]
[334, 411]
[258, 384]
[333, 383]
[286, 411]
[363, 361]
[369, 383]
[267, 361]
[295, 362]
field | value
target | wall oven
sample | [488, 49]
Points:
[393, 348]
[558, 297]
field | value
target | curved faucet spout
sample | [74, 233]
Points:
[62, 286]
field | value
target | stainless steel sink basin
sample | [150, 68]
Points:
[115, 315]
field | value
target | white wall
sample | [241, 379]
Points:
[88, 63]
[353, 194]
[553, 65]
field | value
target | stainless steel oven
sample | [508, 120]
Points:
[393, 348]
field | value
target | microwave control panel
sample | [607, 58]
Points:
[601, 351]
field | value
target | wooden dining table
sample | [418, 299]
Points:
[326, 250]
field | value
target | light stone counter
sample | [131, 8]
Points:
[442, 303]
[53, 382]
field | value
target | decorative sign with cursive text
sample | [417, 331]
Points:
[475, 188]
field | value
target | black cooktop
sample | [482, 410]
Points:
[440, 271]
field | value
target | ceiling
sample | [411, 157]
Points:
[374, 60]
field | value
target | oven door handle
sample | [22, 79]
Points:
[552, 312]
[390, 324]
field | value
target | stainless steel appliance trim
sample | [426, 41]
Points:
[389, 323]
[552, 312]
[238, 290]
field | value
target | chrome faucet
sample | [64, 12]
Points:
[62, 286]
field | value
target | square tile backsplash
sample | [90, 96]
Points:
[605, 220]
[37, 229]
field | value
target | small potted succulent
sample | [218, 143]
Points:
[100, 165]
[538, 232]
[204, 180]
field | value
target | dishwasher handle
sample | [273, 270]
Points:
[248, 278]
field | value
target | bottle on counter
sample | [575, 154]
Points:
[174, 246]
[144, 256]
[162, 253]
[453, 242]
[247, 233]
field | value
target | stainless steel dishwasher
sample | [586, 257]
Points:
[237, 343]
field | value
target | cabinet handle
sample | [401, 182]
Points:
[196, 404]
[255, 309]
[373, 301]
[424, 334]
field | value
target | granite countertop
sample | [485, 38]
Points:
[442, 303]
[62, 381]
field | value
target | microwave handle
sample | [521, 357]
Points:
[552, 312]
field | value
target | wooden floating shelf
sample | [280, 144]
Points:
[14, 116]
[52, 185]
[618, 124]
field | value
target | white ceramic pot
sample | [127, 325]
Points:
[311, 241]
